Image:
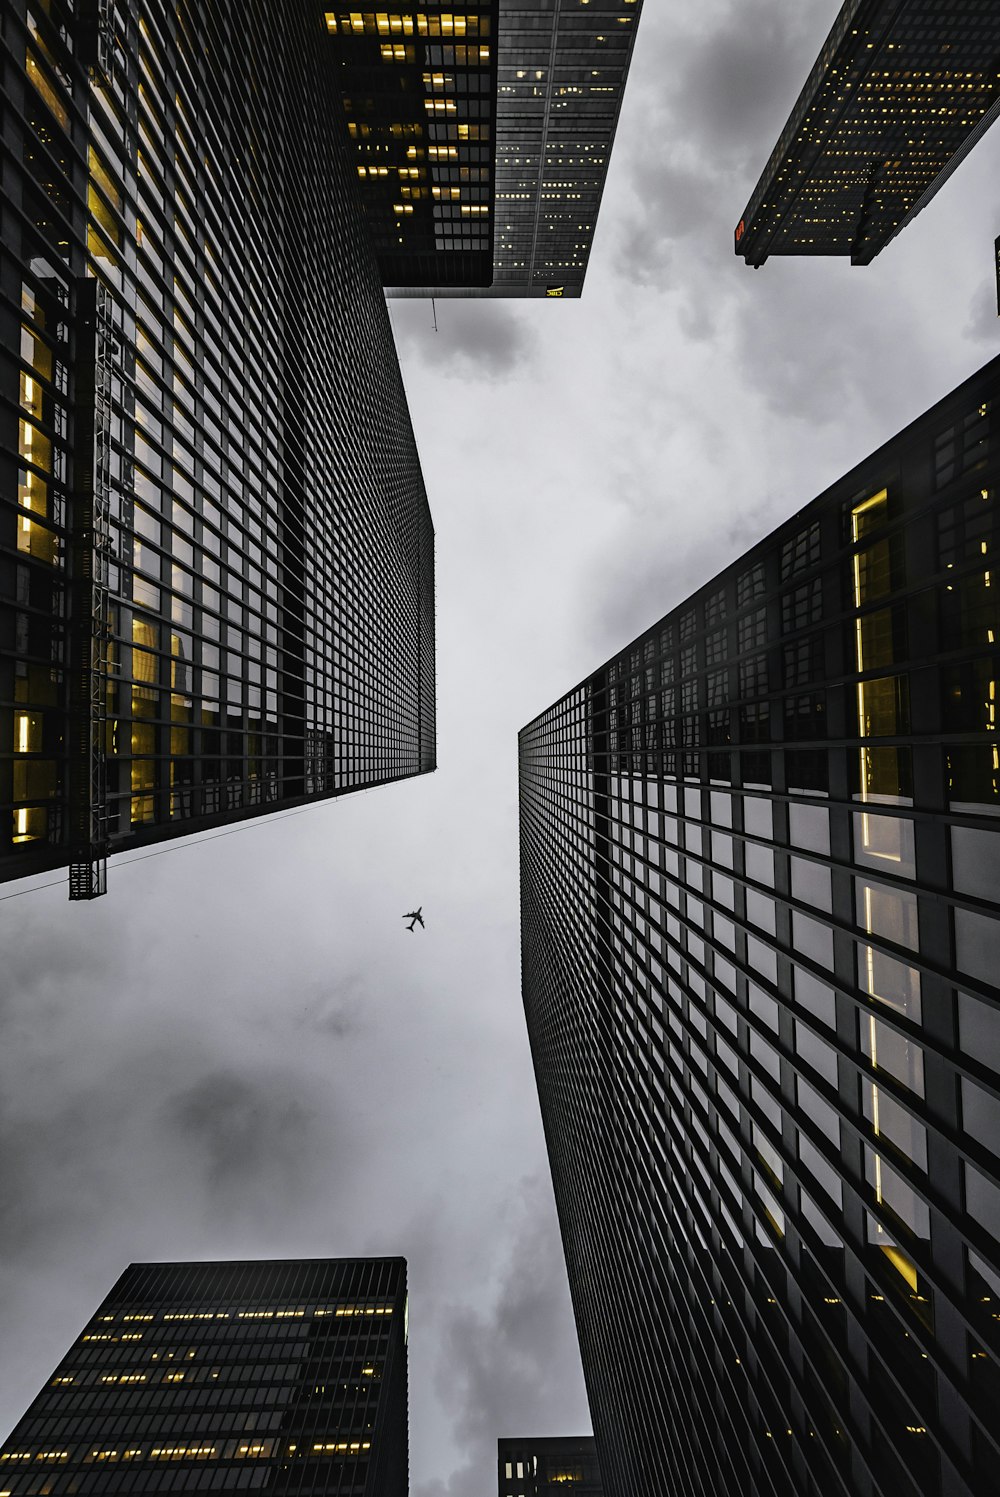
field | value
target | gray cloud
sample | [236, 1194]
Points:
[240, 1052]
[490, 340]
[497, 1365]
[713, 95]
[731, 81]
[251, 1134]
[983, 324]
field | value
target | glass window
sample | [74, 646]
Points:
[722, 808]
[764, 1100]
[760, 911]
[981, 1115]
[768, 1154]
[890, 981]
[815, 997]
[759, 863]
[724, 932]
[820, 1170]
[762, 959]
[893, 1191]
[881, 1238]
[977, 944]
[809, 827]
[818, 1222]
[816, 1053]
[982, 1200]
[811, 939]
[749, 585]
[888, 1050]
[811, 883]
[889, 913]
[975, 861]
[884, 842]
[892, 1122]
[765, 1055]
[722, 850]
[763, 1006]
[817, 1110]
[979, 1030]
[757, 817]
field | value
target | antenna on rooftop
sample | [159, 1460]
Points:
[434, 314]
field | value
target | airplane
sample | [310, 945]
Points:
[415, 918]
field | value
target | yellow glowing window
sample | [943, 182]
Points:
[30, 824]
[182, 1452]
[48, 91]
[34, 446]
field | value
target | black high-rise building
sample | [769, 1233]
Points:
[898, 96]
[559, 75]
[548, 1466]
[283, 1377]
[216, 554]
[420, 93]
[760, 874]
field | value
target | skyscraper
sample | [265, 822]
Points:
[898, 96]
[286, 1377]
[760, 873]
[216, 554]
[548, 1466]
[420, 95]
[560, 78]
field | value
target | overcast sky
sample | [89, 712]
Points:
[240, 1052]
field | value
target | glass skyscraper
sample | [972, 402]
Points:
[560, 78]
[898, 96]
[548, 1466]
[420, 95]
[283, 1377]
[760, 873]
[216, 554]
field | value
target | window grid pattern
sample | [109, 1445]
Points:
[897, 97]
[270, 629]
[419, 90]
[760, 986]
[286, 1377]
[548, 1466]
[561, 72]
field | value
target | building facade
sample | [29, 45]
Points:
[216, 554]
[283, 1377]
[561, 78]
[760, 871]
[548, 1466]
[420, 94]
[898, 96]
